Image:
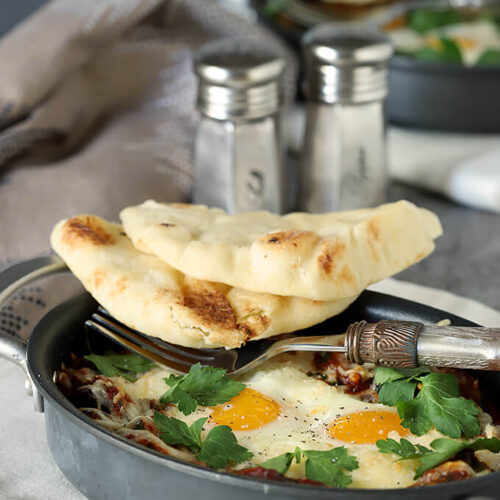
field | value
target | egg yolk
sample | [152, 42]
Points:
[366, 427]
[248, 410]
[465, 43]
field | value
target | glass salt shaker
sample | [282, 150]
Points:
[238, 153]
[346, 82]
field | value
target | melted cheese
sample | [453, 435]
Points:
[299, 410]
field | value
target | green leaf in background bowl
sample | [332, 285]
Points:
[423, 20]
[273, 7]
[449, 53]
[489, 57]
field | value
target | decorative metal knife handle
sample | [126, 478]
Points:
[406, 344]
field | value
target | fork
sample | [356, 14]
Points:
[400, 344]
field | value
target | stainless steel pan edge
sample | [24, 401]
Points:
[11, 280]
[104, 466]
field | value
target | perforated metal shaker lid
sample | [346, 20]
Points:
[238, 79]
[346, 64]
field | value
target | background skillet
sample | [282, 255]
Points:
[437, 96]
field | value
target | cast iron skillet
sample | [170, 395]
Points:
[105, 466]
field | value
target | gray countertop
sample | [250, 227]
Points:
[467, 257]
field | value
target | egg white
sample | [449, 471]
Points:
[308, 407]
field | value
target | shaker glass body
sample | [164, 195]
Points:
[238, 166]
[344, 157]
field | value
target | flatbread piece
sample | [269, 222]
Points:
[316, 256]
[147, 294]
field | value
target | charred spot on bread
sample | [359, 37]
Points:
[374, 230]
[291, 238]
[208, 303]
[121, 284]
[97, 277]
[86, 228]
[373, 237]
[332, 250]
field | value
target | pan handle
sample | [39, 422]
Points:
[11, 280]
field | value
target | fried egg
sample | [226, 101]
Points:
[282, 408]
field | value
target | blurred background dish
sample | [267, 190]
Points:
[468, 36]
[446, 71]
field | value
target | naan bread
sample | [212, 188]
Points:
[317, 256]
[147, 294]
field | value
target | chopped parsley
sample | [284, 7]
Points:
[203, 385]
[442, 450]
[448, 52]
[219, 448]
[437, 402]
[282, 463]
[328, 467]
[111, 363]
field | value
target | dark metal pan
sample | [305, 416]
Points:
[105, 466]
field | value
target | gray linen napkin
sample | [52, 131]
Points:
[108, 84]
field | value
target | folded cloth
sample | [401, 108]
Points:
[462, 167]
[81, 61]
[74, 64]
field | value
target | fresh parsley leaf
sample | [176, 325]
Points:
[282, 463]
[273, 7]
[399, 390]
[186, 403]
[402, 388]
[384, 374]
[218, 449]
[437, 403]
[111, 363]
[203, 385]
[175, 431]
[423, 20]
[489, 57]
[328, 467]
[130, 362]
[428, 54]
[221, 447]
[442, 450]
[449, 52]
[414, 415]
[404, 449]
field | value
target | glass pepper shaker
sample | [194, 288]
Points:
[346, 81]
[238, 153]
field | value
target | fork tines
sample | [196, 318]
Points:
[173, 356]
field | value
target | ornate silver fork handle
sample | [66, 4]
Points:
[400, 344]
[407, 344]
